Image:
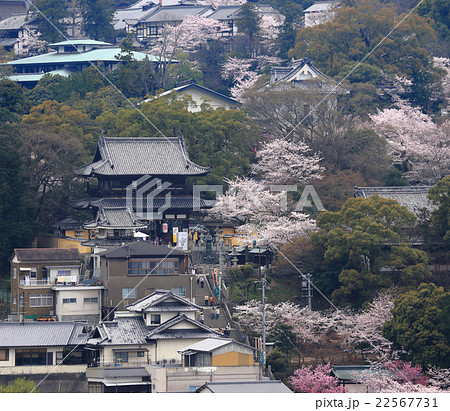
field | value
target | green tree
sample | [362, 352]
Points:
[247, 22]
[364, 243]
[439, 196]
[50, 15]
[97, 19]
[420, 326]
[359, 33]
[13, 101]
[19, 385]
[220, 139]
[17, 224]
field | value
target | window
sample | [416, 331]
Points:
[69, 300]
[41, 300]
[4, 355]
[14, 272]
[153, 30]
[64, 273]
[129, 293]
[31, 357]
[140, 354]
[121, 357]
[91, 300]
[155, 266]
[155, 319]
[180, 291]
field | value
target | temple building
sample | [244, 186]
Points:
[137, 187]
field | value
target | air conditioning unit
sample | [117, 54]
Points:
[173, 360]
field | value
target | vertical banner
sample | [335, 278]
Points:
[175, 235]
[183, 240]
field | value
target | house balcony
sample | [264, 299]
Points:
[33, 282]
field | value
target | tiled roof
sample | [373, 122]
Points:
[165, 330]
[141, 249]
[125, 372]
[41, 334]
[121, 331]
[251, 387]
[173, 13]
[175, 203]
[47, 254]
[412, 197]
[158, 301]
[117, 218]
[141, 156]
[225, 12]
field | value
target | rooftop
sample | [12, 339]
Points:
[141, 249]
[163, 300]
[141, 156]
[39, 334]
[47, 254]
[413, 197]
[250, 387]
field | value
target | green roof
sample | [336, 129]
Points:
[103, 54]
[87, 42]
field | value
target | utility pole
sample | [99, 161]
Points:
[306, 288]
[263, 344]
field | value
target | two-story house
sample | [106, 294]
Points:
[135, 270]
[48, 283]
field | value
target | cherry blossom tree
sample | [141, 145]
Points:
[287, 162]
[262, 210]
[240, 72]
[31, 44]
[193, 32]
[398, 376]
[421, 145]
[315, 380]
[361, 331]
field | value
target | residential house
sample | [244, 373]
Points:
[140, 9]
[160, 334]
[30, 344]
[320, 12]
[200, 96]
[14, 30]
[245, 387]
[9, 8]
[48, 283]
[139, 184]
[149, 27]
[70, 56]
[137, 269]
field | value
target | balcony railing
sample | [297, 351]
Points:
[34, 282]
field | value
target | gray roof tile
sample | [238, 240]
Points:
[141, 156]
[41, 334]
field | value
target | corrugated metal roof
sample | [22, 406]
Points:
[142, 156]
[41, 334]
[208, 344]
[251, 387]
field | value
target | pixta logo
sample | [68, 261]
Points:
[144, 197]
